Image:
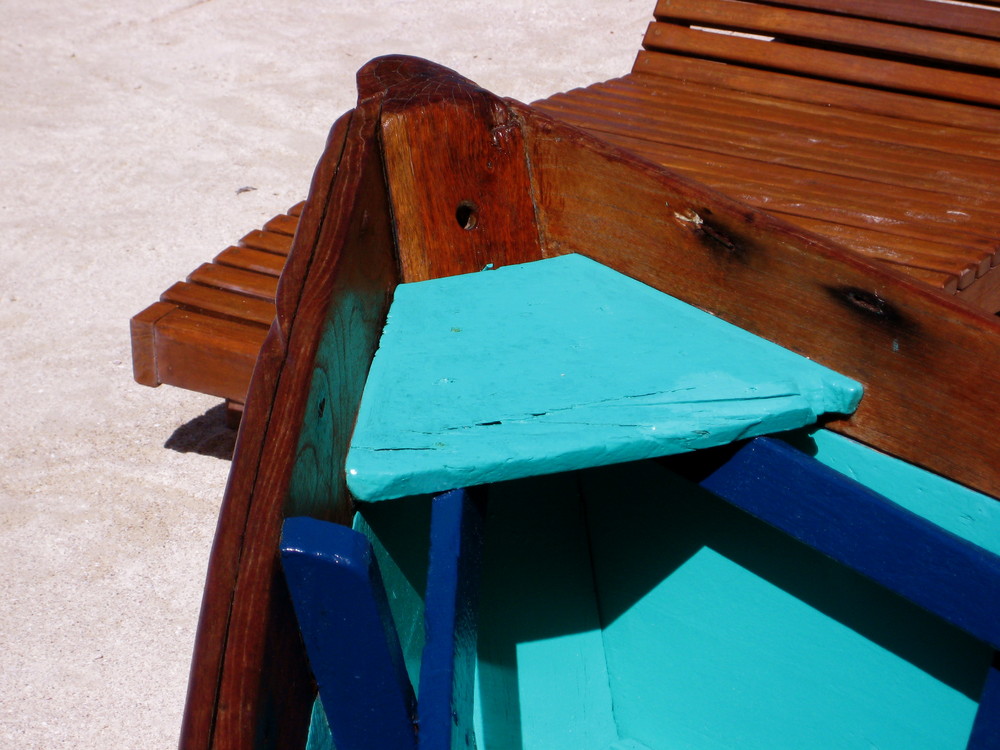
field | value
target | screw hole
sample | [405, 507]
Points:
[466, 215]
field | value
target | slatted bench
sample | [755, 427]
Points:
[873, 122]
[205, 332]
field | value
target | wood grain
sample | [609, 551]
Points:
[824, 64]
[789, 85]
[210, 687]
[969, 17]
[930, 365]
[457, 176]
[250, 685]
[804, 27]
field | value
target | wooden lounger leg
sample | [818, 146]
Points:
[234, 413]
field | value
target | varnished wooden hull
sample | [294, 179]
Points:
[431, 176]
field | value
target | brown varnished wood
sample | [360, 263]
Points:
[143, 332]
[251, 260]
[447, 131]
[260, 285]
[282, 224]
[829, 204]
[210, 688]
[208, 353]
[248, 677]
[933, 157]
[207, 339]
[920, 354]
[823, 64]
[793, 87]
[878, 39]
[270, 241]
[828, 119]
[904, 179]
[978, 21]
[232, 305]
[877, 201]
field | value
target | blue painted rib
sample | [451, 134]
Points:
[447, 670]
[986, 730]
[933, 568]
[352, 644]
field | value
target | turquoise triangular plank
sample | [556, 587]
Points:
[563, 364]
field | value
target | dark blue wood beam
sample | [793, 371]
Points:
[948, 576]
[352, 644]
[447, 669]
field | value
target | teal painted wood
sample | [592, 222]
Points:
[945, 574]
[400, 537]
[966, 513]
[563, 364]
[722, 632]
[706, 629]
[542, 679]
[319, 737]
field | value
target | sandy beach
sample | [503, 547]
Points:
[129, 132]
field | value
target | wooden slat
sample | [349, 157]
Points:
[282, 224]
[824, 64]
[879, 39]
[984, 292]
[259, 285]
[143, 332]
[969, 153]
[206, 353]
[949, 183]
[792, 146]
[961, 17]
[860, 227]
[272, 242]
[222, 302]
[849, 97]
[249, 259]
[920, 354]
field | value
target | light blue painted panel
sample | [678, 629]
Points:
[966, 513]
[542, 681]
[320, 737]
[400, 537]
[541, 678]
[721, 632]
[563, 364]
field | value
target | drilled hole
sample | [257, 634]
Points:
[466, 215]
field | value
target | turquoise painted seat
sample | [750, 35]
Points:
[646, 578]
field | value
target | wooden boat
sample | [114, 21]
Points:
[429, 177]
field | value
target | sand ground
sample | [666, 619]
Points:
[127, 128]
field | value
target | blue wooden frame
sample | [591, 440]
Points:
[824, 509]
[353, 646]
[767, 478]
